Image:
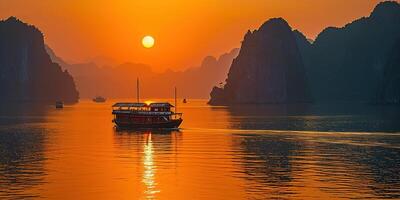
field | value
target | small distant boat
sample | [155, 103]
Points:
[59, 104]
[184, 101]
[99, 99]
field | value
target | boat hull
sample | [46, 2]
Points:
[99, 100]
[175, 123]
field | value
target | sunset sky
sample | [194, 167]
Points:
[184, 31]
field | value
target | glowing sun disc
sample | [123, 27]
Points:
[148, 41]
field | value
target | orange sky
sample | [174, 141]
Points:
[185, 31]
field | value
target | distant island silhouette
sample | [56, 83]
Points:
[356, 63]
[27, 73]
[119, 81]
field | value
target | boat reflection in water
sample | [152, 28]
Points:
[150, 143]
[149, 168]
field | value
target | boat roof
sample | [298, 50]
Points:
[161, 105]
[126, 104]
[152, 105]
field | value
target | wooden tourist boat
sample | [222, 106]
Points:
[142, 115]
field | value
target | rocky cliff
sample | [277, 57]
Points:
[389, 93]
[347, 64]
[355, 63]
[26, 70]
[268, 69]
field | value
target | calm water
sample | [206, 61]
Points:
[253, 152]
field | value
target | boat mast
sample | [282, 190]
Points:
[176, 105]
[137, 89]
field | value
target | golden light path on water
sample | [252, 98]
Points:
[149, 169]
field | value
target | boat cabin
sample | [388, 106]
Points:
[142, 107]
[160, 107]
[130, 107]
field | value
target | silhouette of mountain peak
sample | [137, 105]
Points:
[17, 23]
[15, 20]
[386, 9]
[12, 19]
[209, 61]
[275, 23]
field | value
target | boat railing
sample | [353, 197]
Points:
[134, 110]
[141, 112]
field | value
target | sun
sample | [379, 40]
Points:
[148, 41]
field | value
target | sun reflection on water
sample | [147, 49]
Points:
[149, 169]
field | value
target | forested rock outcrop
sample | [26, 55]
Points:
[26, 70]
[268, 69]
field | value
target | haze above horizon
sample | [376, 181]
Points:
[186, 32]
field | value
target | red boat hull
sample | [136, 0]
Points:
[174, 123]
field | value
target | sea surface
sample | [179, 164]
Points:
[247, 152]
